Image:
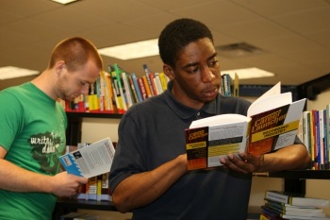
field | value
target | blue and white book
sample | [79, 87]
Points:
[92, 160]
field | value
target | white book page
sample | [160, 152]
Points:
[276, 89]
[219, 120]
[269, 103]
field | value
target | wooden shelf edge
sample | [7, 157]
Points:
[73, 114]
[301, 174]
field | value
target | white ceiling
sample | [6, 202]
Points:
[294, 34]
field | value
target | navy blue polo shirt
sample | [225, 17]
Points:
[152, 133]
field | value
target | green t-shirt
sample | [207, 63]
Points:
[32, 129]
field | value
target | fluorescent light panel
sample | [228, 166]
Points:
[150, 48]
[132, 50]
[64, 2]
[248, 73]
[9, 72]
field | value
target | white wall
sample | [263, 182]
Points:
[94, 129]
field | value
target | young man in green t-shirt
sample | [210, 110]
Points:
[32, 137]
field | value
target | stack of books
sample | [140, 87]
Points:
[280, 206]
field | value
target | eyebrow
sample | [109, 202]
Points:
[196, 63]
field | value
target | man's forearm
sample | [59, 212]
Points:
[287, 158]
[16, 179]
[141, 189]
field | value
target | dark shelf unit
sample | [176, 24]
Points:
[295, 180]
[67, 205]
[99, 114]
[302, 174]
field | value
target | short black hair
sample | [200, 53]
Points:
[178, 34]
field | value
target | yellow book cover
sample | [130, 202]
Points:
[163, 80]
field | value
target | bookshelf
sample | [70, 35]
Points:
[294, 181]
[66, 205]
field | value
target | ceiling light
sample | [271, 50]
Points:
[64, 2]
[9, 72]
[248, 73]
[132, 50]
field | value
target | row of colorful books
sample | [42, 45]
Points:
[315, 134]
[117, 90]
[283, 206]
[97, 188]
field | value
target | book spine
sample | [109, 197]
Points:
[158, 84]
[146, 86]
[120, 86]
[134, 93]
[153, 84]
[163, 80]
[148, 79]
[110, 92]
[327, 119]
[277, 197]
[137, 87]
[128, 92]
[142, 88]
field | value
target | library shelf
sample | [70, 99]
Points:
[67, 205]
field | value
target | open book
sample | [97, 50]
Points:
[271, 123]
[92, 160]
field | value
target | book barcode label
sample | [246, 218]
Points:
[67, 161]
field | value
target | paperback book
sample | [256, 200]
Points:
[296, 200]
[271, 123]
[90, 161]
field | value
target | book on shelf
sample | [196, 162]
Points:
[90, 161]
[283, 214]
[153, 84]
[71, 215]
[148, 80]
[271, 123]
[163, 80]
[142, 87]
[136, 87]
[316, 136]
[87, 216]
[297, 217]
[147, 87]
[294, 210]
[106, 88]
[236, 86]
[226, 84]
[128, 95]
[158, 83]
[135, 98]
[91, 189]
[295, 199]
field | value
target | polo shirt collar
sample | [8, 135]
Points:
[184, 111]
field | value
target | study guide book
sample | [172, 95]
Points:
[271, 123]
[90, 161]
[296, 200]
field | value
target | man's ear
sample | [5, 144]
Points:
[59, 66]
[168, 70]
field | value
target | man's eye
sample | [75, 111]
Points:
[193, 70]
[213, 63]
[82, 83]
